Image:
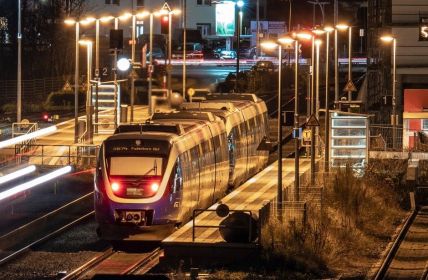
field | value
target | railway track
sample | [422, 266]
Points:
[408, 256]
[115, 263]
[18, 241]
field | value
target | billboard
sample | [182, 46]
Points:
[225, 19]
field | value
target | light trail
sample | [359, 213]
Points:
[19, 139]
[17, 174]
[30, 184]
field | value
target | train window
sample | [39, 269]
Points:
[136, 166]
[178, 176]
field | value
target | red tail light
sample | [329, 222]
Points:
[115, 187]
[45, 117]
[154, 187]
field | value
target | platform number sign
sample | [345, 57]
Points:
[423, 29]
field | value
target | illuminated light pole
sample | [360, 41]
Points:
[298, 37]
[328, 30]
[76, 78]
[89, 106]
[317, 32]
[167, 11]
[238, 5]
[314, 132]
[339, 27]
[19, 70]
[272, 45]
[389, 39]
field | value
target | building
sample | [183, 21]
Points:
[407, 21]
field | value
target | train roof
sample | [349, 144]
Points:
[183, 115]
[233, 97]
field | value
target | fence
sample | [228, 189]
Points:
[81, 155]
[35, 90]
[381, 137]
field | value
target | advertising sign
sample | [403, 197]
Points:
[225, 19]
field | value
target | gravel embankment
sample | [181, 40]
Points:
[58, 256]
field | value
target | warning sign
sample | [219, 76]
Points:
[306, 137]
[350, 86]
[312, 121]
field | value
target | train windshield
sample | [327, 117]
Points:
[136, 166]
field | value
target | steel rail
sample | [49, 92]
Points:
[45, 238]
[140, 267]
[395, 246]
[145, 264]
[75, 274]
[12, 240]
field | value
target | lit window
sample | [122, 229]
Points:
[425, 124]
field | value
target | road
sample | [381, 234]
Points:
[205, 76]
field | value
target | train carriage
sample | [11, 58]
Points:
[150, 177]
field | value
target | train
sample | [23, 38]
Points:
[150, 177]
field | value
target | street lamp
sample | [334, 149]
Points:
[328, 30]
[19, 70]
[272, 45]
[89, 106]
[342, 27]
[389, 39]
[166, 10]
[301, 36]
[238, 6]
[76, 79]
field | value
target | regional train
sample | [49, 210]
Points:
[150, 177]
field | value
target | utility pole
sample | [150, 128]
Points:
[19, 77]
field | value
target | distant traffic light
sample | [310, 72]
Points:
[165, 24]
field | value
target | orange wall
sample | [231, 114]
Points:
[415, 100]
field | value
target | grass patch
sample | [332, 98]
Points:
[342, 238]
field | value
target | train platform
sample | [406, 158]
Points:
[202, 243]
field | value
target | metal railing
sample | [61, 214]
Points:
[78, 155]
[19, 129]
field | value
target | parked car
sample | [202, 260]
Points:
[264, 65]
[193, 50]
[157, 53]
[227, 54]
[247, 52]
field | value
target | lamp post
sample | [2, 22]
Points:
[327, 29]
[238, 9]
[389, 39]
[76, 78]
[89, 106]
[298, 36]
[19, 72]
[339, 27]
[273, 45]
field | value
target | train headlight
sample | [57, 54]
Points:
[154, 187]
[115, 187]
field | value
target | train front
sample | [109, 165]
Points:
[133, 197]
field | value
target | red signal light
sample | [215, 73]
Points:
[45, 117]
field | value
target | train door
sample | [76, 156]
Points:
[231, 144]
[176, 194]
[195, 174]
